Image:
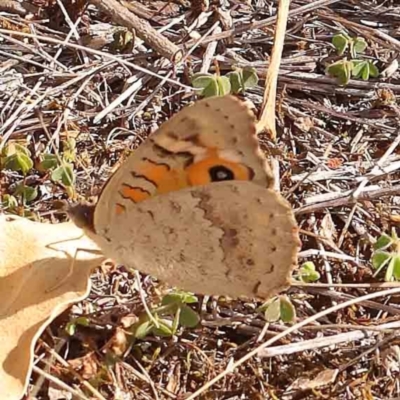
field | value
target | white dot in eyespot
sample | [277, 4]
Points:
[222, 175]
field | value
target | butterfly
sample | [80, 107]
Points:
[194, 206]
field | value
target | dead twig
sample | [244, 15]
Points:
[267, 118]
[348, 199]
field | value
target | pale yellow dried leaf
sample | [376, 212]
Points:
[35, 287]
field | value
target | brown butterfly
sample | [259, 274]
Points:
[194, 207]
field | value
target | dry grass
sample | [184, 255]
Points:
[336, 155]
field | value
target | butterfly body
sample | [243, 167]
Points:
[194, 207]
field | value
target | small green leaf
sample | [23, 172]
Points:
[365, 72]
[357, 66]
[308, 272]
[179, 297]
[380, 259]
[224, 85]
[49, 161]
[308, 266]
[250, 77]
[340, 41]
[356, 62]
[202, 75]
[235, 80]
[359, 46]
[70, 328]
[348, 66]
[188, 317]
[273, 311]
[373, 70]
[164, 329]
[9, 202]
[172, 298]
[30, 193]
[189, 298]
[341, 70]
[19, 161]
[206, 82]
[313, 277]
[360, 69]
[83, 321]
[211, 90]
[287, 310]
[389, 270]
[141, 330]
[364, 69]
[26, 192]
[396, 267]
[69, 153]
[21, 149]
[265, 305]
[384, 241]
[64, 173]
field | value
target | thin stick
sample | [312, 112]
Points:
[267, 118]
[373, 285]
[141, 294]
[348, 199]
[312, 344]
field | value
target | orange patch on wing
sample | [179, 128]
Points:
[165, 179]
[153, 172]
[168, 180]
[136, 194]
[199, 173]
[119, 209]
[174, 180]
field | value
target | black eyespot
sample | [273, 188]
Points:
[220, 173]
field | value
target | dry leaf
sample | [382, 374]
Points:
[305, 124]
[324, 378]
[391, 69]
[35, 287]
[87, 366]
[328, 229]
[395, 218]
[118, 343]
